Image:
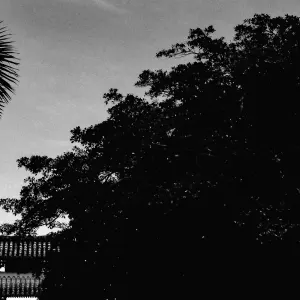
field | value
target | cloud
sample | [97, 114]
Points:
[52, 143]
[109, 6]
[48, 109]
[103, 4]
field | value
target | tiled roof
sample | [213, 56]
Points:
[19, 285]
[22, 285]
[25, 247]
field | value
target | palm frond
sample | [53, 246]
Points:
[8, 67]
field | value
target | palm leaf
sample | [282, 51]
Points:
[8, 67]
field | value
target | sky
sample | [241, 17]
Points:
[21, 298]
[73, 51]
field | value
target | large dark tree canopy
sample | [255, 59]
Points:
[207, 160]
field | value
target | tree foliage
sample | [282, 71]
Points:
[200, 173]
[8, 67]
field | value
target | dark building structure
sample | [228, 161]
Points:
[16, 259]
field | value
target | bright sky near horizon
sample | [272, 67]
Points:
[22, 298]
[73, 51]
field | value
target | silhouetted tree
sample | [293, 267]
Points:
[198, 177]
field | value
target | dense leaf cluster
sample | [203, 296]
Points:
[8, 67]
